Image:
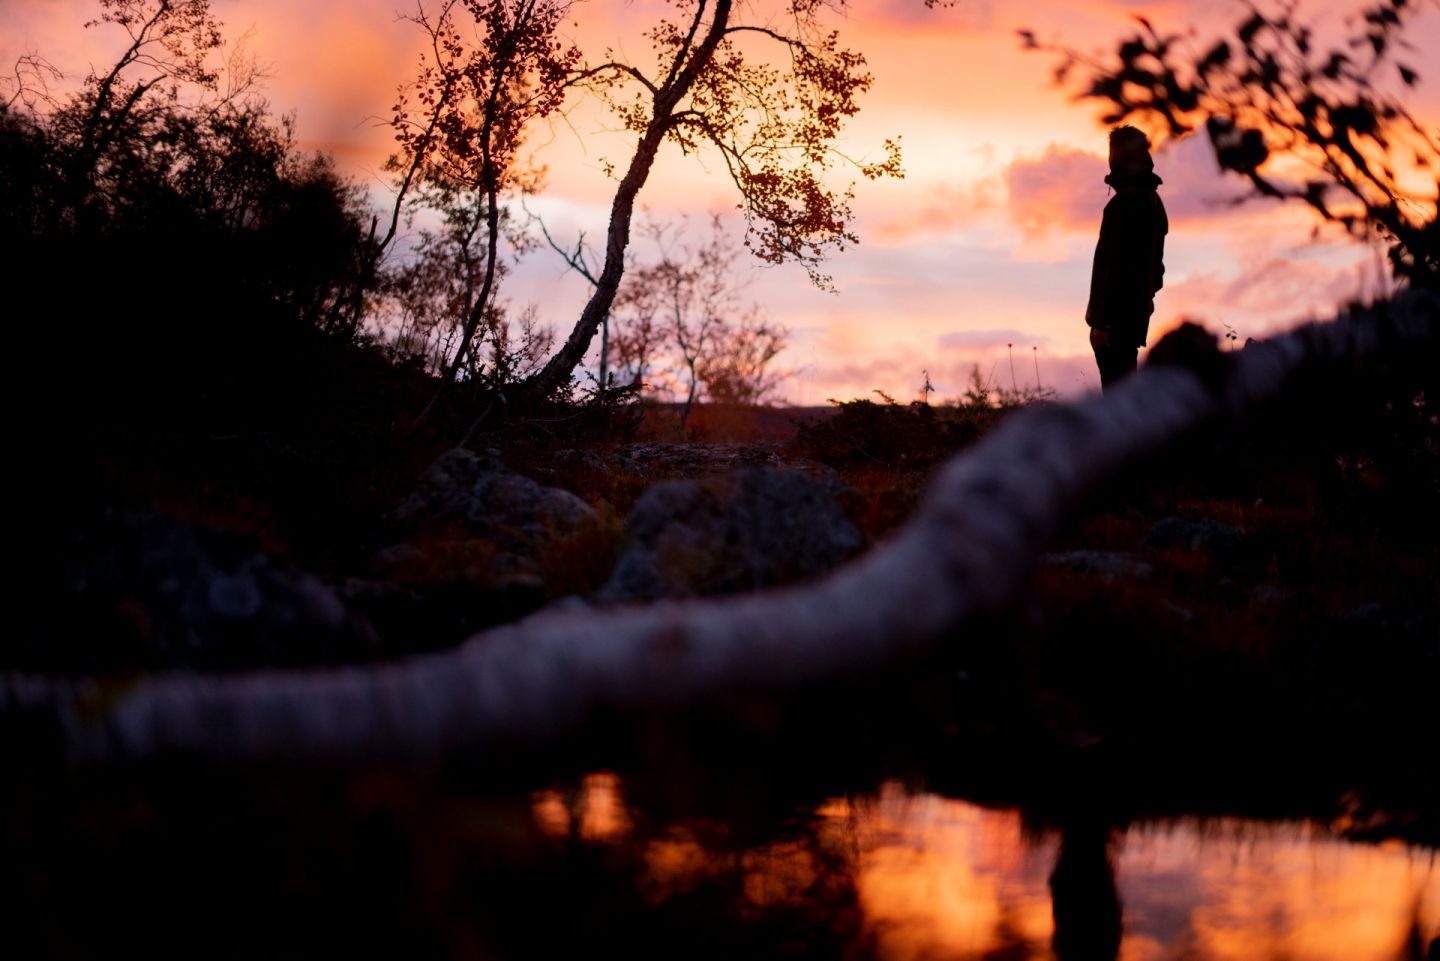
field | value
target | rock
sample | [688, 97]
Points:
[1181, 614]
[400, 616]
[1274, 595]
[1203, 534]
[392, 562]
[693, 461]
[506, 509]
[474, 531]
[742, 531]
[144, 590]
[1110, 565]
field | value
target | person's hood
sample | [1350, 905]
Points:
[1130, 158]
[1143, 178]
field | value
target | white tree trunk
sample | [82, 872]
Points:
[968, 549]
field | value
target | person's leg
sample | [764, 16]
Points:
[1115, 362]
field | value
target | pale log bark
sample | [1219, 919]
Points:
[967, 550]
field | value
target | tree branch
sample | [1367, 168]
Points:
[575, 261]
[582, 75]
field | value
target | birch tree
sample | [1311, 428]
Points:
[461, 124]
[711, 90]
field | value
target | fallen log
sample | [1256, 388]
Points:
[967, 551]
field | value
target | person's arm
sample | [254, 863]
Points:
[1100, 273]
[1161, 227]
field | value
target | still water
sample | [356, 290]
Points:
[907, 876]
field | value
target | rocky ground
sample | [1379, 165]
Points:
[1268, 591]
[1248, 626]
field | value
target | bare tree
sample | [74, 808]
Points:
[685, 310]
[173, 79]
[433, 294]
[742, 371]
[30, 83]
[634, 345]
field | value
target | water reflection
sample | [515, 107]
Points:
[593, 811]
[1084, 900]
[914, 876]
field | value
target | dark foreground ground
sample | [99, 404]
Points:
[1248, 626]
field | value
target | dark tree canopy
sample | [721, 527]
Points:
[163, 235]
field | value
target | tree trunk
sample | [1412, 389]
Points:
[560, 368]
[605, 351]
[477, 309]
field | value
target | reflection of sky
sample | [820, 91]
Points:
[992, 229]
[942, 878]
[938, 878]
[946, 875]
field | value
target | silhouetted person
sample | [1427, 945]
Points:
[1129, 257]
[1083, 896]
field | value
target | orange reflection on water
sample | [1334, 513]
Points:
[915, 876]
[595, 810]
[675, 863]
[777, 873]
[1281, 892]
[945, 878]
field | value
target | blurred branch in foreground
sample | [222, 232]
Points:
[967, 551]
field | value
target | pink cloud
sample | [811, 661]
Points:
[1063, 189]
[1273, 292]
[945, 207]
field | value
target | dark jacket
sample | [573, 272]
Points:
[1129, 259]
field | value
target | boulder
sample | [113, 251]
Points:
[143, 590]
[507, 509]
[471, 520]
[746, 530]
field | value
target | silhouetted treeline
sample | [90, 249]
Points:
[178, 249]
[182, 287]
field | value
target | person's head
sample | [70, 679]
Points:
[1129, 150]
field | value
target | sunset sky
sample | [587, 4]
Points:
[987, 240]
